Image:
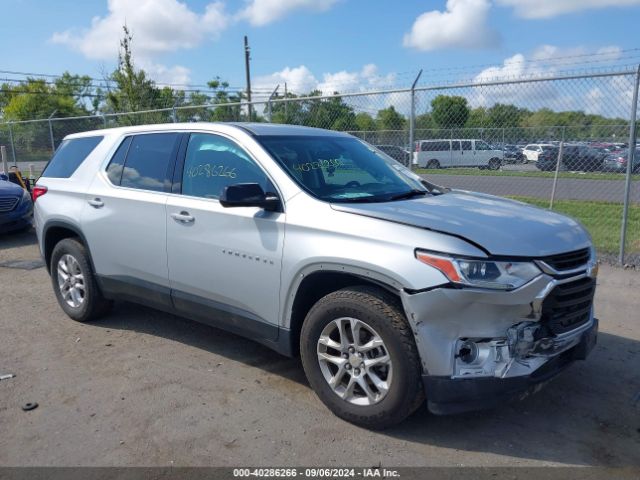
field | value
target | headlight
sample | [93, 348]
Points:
[482, 273]
[26, 196]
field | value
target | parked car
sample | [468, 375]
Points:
[533, 150]
[16, 207]
[548, 159]
[395, 152]
[457, 153]
[582, 158]
[574, 157]
[312, 242]
[513, 154]
[617, 162]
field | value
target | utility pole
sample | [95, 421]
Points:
[247, 59]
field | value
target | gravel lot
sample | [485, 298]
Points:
[142, 387]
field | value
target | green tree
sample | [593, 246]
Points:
[134, 91]
[389, 119]
[449, 111]
[477, 118]
[289, 112]
[36, 98]
[365, 122]
[503, 116]
[424, 122]
[331, 113]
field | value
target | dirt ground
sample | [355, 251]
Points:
[142, 387]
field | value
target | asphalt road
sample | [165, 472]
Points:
[142, 387]
[566, 189]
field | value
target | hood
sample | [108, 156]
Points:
[8, 188]
[498, 225]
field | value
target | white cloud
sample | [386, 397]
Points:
[301, 80]
[174, 75]
[609, 96]
[157, 26]
[262, 12]
[298, 80]
[462, 25]
[552, 8]
[546, 60]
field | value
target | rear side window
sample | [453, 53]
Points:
[436, 146]
[70, 154]
[148, 160]
[116, 165]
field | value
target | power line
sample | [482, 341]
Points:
[178, 86]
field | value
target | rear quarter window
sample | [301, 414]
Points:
[69, 155]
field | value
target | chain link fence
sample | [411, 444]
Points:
[567, 143]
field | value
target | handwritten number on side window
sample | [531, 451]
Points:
[208, 170]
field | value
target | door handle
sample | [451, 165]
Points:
[183, 217]
[96, 203]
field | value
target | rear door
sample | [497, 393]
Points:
[124, 221]
[437, 151]
[456, 154]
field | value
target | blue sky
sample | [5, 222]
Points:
[341, 45]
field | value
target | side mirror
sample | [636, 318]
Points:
[249, 195]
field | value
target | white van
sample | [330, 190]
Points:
[457, 153]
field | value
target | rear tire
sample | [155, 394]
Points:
[433, 164]
[391, 390]
[74, 282]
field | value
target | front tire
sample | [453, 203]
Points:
[74, 283]
[360, 357]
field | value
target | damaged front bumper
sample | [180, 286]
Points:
[479, 348]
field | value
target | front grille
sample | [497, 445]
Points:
[568, 261]
[568, 305]
[8, 203]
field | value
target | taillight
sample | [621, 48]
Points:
[417, 147]
[37, 192]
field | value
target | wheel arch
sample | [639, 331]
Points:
[314, 282]
[53, 232]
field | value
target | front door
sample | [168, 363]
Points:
[224, 263]
[482, 153]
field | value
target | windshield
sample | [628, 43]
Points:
[343, 169]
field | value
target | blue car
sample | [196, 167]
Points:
[16, 207]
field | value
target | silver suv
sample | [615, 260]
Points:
[312, 242]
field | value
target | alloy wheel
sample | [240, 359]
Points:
[71, 281]
[355, 361]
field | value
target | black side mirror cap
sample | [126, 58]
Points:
[249, 195]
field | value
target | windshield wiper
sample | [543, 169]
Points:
[409, 194]
[356, 200]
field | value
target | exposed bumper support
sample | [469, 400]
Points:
[446, 395]
[482, 347]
